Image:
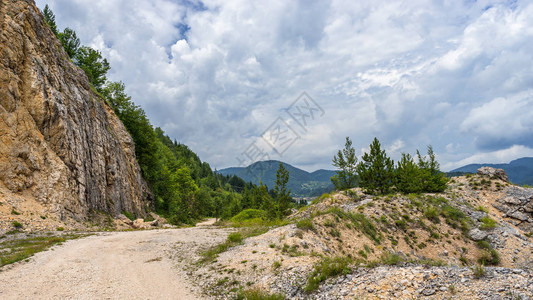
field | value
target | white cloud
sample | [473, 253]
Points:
[216, 74]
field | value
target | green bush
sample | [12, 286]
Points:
[305, 224]
[487, 223]
[248, 214]
[257, 294]
[432, 214]
[17, 225]
[235, 237]
[325, 269]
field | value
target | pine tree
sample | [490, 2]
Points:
[433, 180]
[408, 175]
[50, 19]
[70, 42]
[376, 170]
[283, 198]
[94, 66]
[346, 161]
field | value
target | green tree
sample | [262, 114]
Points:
[408, 175]
[266, 201]
[432, 179]
[94, 66]
[376, 170]
[70, 42]
[346, 161]
[50, 19]
[283, 196]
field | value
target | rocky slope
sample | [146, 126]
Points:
[397, 246]
[63, 152]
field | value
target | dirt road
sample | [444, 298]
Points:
[117, 265]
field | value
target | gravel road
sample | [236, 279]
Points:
[116, 265]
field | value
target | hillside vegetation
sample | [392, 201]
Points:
[331, 248]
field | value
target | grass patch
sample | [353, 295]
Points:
[234, 239]
[487, 223]
[17, 225]
[305, 224]
[257, 294]
[21, 249]
[328, 267]
[478, 271]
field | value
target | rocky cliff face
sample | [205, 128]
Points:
[61, 146]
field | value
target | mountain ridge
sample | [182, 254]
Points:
[520, 171]
[302, 183]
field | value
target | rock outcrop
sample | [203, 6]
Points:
[493, 173]
[61, 145]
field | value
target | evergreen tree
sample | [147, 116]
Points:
[94, 66]
[346, 161]
[433, 180]
[283, 198]
[266, 202]
[376, 171]
[408, 175]
[50, 19]
[70, 42]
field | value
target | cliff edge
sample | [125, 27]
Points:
[63, 152]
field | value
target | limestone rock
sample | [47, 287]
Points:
[477, 235]
[61, 145]
[492, 172]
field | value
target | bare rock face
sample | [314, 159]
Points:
[517, 204]
[493, 173]
[60, 144]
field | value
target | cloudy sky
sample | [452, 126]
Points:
[227, 77]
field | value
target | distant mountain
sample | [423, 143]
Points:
[520, 171]
[301, 183]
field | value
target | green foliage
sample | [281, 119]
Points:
[305, 224]
[17, 225]
[487, 223]
[376, 170]
[50, 19]
[235, 237]
[282, 195]
[328, 267]
[432, 179]
[70, 42]
[257, 294]
[478, 271]
[346, 161]
[248, 214]
[408, 175]
[20, 249]
[94, 66]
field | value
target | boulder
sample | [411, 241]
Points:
[493, 173]
[137, 224]
[477, 235]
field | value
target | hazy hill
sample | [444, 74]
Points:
[301, 183]
[520, 171]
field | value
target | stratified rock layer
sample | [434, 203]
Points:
[60, 144]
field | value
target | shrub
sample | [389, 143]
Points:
[432, 214]
[235, 237]
[129, 215]
[257, 294]
[60, 229]
[325, 269]
[478, 271]
[14, 212]
[487, 223]
[248, 214]
[276, 265]
[305, 224]
[489, 257]
[17, 225]
[390, 258]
